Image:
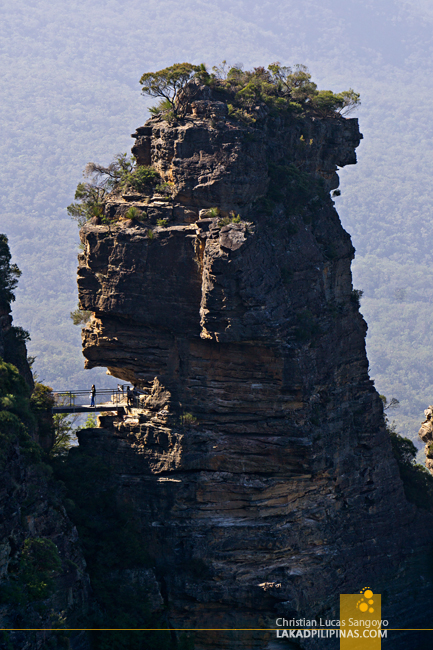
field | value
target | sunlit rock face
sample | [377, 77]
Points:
[258, 465]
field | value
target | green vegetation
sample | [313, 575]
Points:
[90, 199]
[166, 84]
[162, 222]
[82, 93]
[80, 316]
[166, 189]
[122, 174]
[417, 480]
[15, 348]
[356, 296]
[281, 88]
[188, 419]
[9, 273]
[64, 434]
[32, 575]
[90, 422]
[141, 178]
[42, 402]
[16, 415]
[135, 213]
[232, 218]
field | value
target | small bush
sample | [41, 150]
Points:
[141, 178]
[165, 189]
[224, 222]
[164, 106]
[232, 218]
[122, 173]
[133, 213]
[356, 296]
[80, 316]
[189, 419]
[19, 334]
[162, 222]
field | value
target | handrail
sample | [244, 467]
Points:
[102, 396]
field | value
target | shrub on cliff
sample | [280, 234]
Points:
[89, 197]
[9, 273]
[16, 415]
[32, 578]
[122, 173]
[141, 178]
[417, 480]
[281, 88]
[80, 316]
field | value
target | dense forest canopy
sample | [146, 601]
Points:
[70, 95]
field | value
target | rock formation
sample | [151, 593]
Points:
[43, 579]
[258, 464]
[426, 435]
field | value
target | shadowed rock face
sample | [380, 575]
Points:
[259, 465]
[32, 512]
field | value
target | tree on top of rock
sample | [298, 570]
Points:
[279, 88]
[167, 84]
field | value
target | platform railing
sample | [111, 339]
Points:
[75, 398]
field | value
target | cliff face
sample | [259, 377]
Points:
[43, 579]
[426, 435]
[34, 531]
[258, 465]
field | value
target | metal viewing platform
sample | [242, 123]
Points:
[106, 399]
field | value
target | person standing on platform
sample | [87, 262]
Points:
[92, 395]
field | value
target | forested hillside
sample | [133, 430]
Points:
[70, 94]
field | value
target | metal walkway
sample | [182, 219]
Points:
[78, 401]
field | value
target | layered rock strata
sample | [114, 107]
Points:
[258, 463]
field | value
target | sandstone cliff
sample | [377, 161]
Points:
[258, 465]
[426, 435]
